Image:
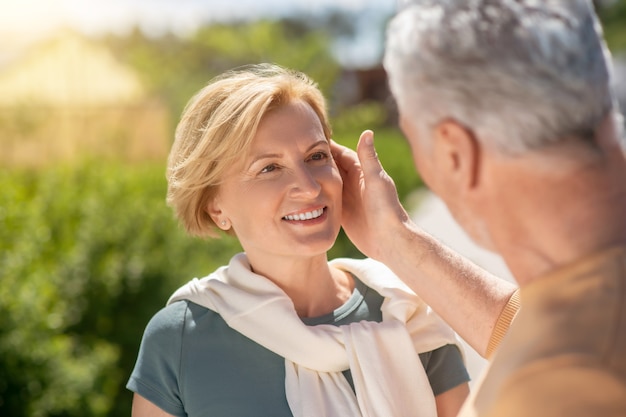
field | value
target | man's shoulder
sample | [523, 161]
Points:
[571, 387]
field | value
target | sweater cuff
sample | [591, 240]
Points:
[504, 322]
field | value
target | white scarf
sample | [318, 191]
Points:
[389, 378]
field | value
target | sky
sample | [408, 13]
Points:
[21, 21]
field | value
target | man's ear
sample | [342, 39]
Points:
[458, 153]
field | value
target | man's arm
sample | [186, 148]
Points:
[468, 298]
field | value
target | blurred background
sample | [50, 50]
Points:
[90, 93]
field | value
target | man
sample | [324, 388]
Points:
[509, 113]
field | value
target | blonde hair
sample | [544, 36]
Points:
[217, 127]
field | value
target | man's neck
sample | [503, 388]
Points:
[561, 212]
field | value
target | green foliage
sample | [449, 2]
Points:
[613, 17]
[175, 68]
[88, 255]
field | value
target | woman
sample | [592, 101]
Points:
[281, 331]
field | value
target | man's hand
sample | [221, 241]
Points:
[378, 225]
[371, 208]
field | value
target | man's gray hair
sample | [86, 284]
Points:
[521, 73]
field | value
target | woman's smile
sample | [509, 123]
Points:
[306, 215]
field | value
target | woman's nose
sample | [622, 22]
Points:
[305, 183]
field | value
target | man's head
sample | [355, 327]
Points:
[495, 77]
[521, 74]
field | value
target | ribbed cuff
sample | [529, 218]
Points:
[503, 323]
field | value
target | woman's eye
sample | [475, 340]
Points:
[319, 156]
[268, 168]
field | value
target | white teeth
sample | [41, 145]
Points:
[305, 216]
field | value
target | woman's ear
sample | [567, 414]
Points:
[217, 215]
[457, 154]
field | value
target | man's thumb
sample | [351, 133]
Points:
[367, 152]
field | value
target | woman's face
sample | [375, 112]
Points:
[284, 197]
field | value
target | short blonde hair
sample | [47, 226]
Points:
[217, 127]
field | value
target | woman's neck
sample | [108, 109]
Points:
[314, 287]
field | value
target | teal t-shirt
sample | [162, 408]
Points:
[192, 364]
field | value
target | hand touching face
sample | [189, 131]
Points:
[370, 200]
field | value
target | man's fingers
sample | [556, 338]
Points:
[345, 158]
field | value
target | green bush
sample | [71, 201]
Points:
[88, 255]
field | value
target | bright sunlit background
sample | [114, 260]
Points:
[90, 93]
[27, 20]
